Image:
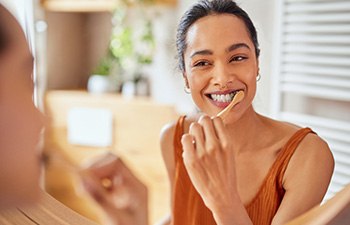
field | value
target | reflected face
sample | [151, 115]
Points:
[220, 60]
[20, 121]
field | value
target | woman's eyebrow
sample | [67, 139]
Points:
[236, 46]
[201, 52]
[229, 49]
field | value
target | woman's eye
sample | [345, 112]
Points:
[200, 64]
[238, 58]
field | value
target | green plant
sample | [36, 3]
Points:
[131, 47]
[105, 66]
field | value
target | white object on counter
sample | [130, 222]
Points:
[90, 127]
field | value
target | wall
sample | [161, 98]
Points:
[262, 14]
[75, 43]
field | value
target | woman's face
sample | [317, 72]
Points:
[220, 60]
[20, 122]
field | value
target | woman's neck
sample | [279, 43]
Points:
[247, 131]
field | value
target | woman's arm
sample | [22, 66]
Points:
[335, 211]
[306, 178]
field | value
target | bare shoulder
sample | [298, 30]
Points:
[312, 157]
[306, 178]
[167, 142]
[312, 162]
[315, 150]
[168, 130]
[166, 139]
[167, 148]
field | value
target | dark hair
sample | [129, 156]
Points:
[3, 35]
[3, 40]
[205, 8]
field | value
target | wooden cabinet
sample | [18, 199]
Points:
[137, 125]
[79, 5]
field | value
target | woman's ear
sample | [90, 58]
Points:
[187, 85]
[184, 75]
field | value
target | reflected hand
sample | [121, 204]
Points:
[117, 190]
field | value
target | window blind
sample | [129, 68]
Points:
[312, 68]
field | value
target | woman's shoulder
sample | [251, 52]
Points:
[167, 133]
[167, 146]
[289, 130]
[310, 144]
[169, 130]
[184, 121]
[311, 151]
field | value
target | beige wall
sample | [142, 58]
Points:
[75, 43]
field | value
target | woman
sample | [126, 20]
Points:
[245, 168]
[21, 123]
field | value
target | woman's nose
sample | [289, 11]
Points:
[41, 119]
[222, 76]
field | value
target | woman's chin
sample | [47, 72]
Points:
[20, 196]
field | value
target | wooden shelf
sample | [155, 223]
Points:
[90, 5]
[79, 5]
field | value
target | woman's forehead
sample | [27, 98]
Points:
[223, 29]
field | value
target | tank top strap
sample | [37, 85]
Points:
[179, 131]
[287, 152]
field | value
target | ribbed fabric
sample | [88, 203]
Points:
[189, 208]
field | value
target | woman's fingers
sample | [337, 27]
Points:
[192, 161]
[113, 186]
[198, 141]
[212, 142]
[219, 126]
[207, 134]
[188, 144]
[93, 186]
[103, 166]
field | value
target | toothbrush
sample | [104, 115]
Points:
[236, 99]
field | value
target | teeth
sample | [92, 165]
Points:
[223, 98]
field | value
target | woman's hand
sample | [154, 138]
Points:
[117, 190]
[209, 159]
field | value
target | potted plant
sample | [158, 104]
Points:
[130, 49]
[102, 78]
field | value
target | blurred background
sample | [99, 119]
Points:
[106, 76]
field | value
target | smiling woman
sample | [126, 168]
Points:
[247, 168]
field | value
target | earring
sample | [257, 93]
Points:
[258, 77]
[187, 90]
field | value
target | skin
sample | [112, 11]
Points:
[224, 156]
[21, 122]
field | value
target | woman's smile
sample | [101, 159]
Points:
[222, 99]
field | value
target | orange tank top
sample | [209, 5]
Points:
[188, 206]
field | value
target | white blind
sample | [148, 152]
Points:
[313, 68]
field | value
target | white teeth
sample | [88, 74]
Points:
[222, 98]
